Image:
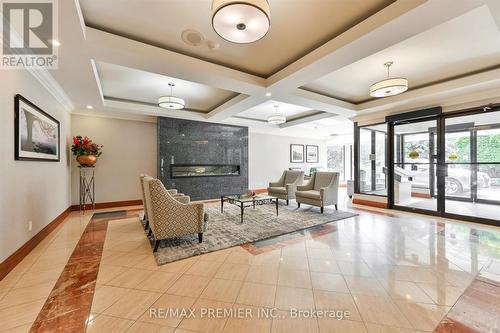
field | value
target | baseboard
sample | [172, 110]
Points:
[421, 195]
[369, 203]
[112, 204]
[14, 259]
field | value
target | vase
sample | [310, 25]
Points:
[86, 160]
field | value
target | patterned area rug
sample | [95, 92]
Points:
[225, 229]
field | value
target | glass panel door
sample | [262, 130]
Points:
[415, 165]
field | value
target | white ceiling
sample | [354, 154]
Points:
[466, 44]
[139, 86]
[266, 109]
[297, 27]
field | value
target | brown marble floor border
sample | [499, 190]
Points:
[68, 306]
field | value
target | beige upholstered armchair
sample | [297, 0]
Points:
[286, 186]
[170, 218]
[322, 190]
[179, 196]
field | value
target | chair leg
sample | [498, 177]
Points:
[157, 243]
[336, 207]
[200, 237]
[150, 232]
[287, 202]
[146, 227]
[298, 203]
[321, 210]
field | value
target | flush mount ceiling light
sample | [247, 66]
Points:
[389, 86]
[171, 102]
[243, 21]
[277, 118]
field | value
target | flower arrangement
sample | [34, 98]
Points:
[83, 146]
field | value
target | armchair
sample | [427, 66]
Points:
[170, 218]
[286, 186]
[320, 191]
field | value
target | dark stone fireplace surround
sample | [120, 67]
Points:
[202, 145]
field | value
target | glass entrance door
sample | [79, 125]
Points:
[415, 165]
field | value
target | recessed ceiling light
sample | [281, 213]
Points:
[192, 37]
[389, 87]
[268, 94]
[243, 21]
[171, 102]
[55, 42]
[90, 107]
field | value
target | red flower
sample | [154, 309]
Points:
[86, 141]
[76, 141]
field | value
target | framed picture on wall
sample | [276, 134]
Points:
[36, 133]
[296, 153]
[312, 154]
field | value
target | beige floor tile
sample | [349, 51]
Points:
[142, 327]
[294, 251]
[289, 297]
[262, 274]
[179, 266]
[330, 300]
[216, 256]
[252, 320]
[222, 290]
[365, 286]
[328, 282]
[379, 310]
[424, 317]
[109, 324]
[189, 285]
[19, 329]
[375, 328]
[240, 257]
[294, 278]
[257, 294]
[132, 305]
[131, 278]
[333, 325]
[320, 254]
[204, 268]
[37, 278]
[298, 263]
[179, 304]
[231, 271]
[286, 324]
[125, 259]
[442, 294]
[355, 268]
[148, 263]
[272, 259]
[105, 296]
[158, 281]
[324, 266]
[406, 290]
[204, 320]
[108, 273]
[19, 315]
[25, 295]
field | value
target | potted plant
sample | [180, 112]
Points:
[86, 151]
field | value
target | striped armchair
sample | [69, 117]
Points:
[170, 218]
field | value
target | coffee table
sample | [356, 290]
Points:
[244, 201]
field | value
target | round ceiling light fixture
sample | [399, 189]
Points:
[389, 86]
[242, 21]
[171, 102]
[277, 118]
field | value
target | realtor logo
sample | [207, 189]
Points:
[28, 33]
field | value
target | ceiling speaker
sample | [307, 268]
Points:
[192, 37]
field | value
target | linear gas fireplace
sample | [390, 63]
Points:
[203, 170]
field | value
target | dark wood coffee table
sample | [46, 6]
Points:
[244, 201]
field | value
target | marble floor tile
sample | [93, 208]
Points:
[332, 325]
[379, 310]
[222, 290]
[294, 278]
[290, 297]
[205, 321]
[328, 282]
[330, 300]
[105, 323]
[232, 271]
[257, 294]
[178, 304]
[423, 317]
[189, 285]
[132, 305]
[249, 323]
[262, 274]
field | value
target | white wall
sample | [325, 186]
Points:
[130, 149]
[269, 155]
[29, 190]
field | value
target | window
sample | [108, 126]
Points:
[372, 143]
[339, 159]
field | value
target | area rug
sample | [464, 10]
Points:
[225, 230]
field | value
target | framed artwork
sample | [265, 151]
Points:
[312, 154]
[36, 133]
[296, 153]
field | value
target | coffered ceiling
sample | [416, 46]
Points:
[297, 28]
[317, 61]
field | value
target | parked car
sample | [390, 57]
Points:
[457, 181]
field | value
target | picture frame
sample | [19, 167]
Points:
[296, 153]
[312, 154]
[37, 134]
